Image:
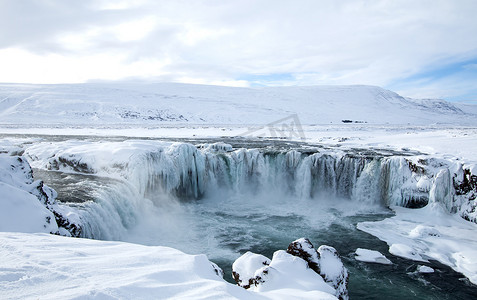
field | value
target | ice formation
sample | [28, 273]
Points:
[148, 172]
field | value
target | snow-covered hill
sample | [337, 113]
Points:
[172, 103]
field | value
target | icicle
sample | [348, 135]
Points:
[442, 191]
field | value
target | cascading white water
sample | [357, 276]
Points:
[188, 173]
[149, 176]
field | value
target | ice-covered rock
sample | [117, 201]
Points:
[325, 261]
[333, 271]
[29, 205]
[465, 184]
[371, 256]
[289, 272]
[245, 267]
[304, 249]
[218, 271]
[300, 266]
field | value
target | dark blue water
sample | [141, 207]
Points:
[267, 233]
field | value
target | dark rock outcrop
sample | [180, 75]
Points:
[304, 249]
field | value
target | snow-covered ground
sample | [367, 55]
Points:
[43, 266]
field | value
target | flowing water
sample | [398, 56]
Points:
[223, 207]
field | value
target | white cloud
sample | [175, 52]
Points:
[24, 66]
[319, 42]
[134, 30]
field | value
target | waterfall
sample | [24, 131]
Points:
[150, 176]
[189, 173]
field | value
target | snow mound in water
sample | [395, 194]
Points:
[371, 256]
[425, 269]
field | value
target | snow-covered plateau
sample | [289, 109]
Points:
[172, 103]
[139, 169]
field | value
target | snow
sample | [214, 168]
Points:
[429, 233]
[371, 256]
[435, 127]
[300, 265]
[246, 265]
[406, 251]
[52, 267]
[333, 270]
[422, 231]
[286, 271]
[21, 211]
[29, 205]
[159, 103]
[283, 272]
[423, 128]
[425, 269]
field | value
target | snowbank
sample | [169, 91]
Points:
[429, 233]
[21, 211]
[42, 266]
[28, 205]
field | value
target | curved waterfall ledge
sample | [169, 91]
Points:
[150, 171]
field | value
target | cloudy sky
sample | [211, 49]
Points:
[418, 48]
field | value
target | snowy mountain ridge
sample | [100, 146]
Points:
[174, 103]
